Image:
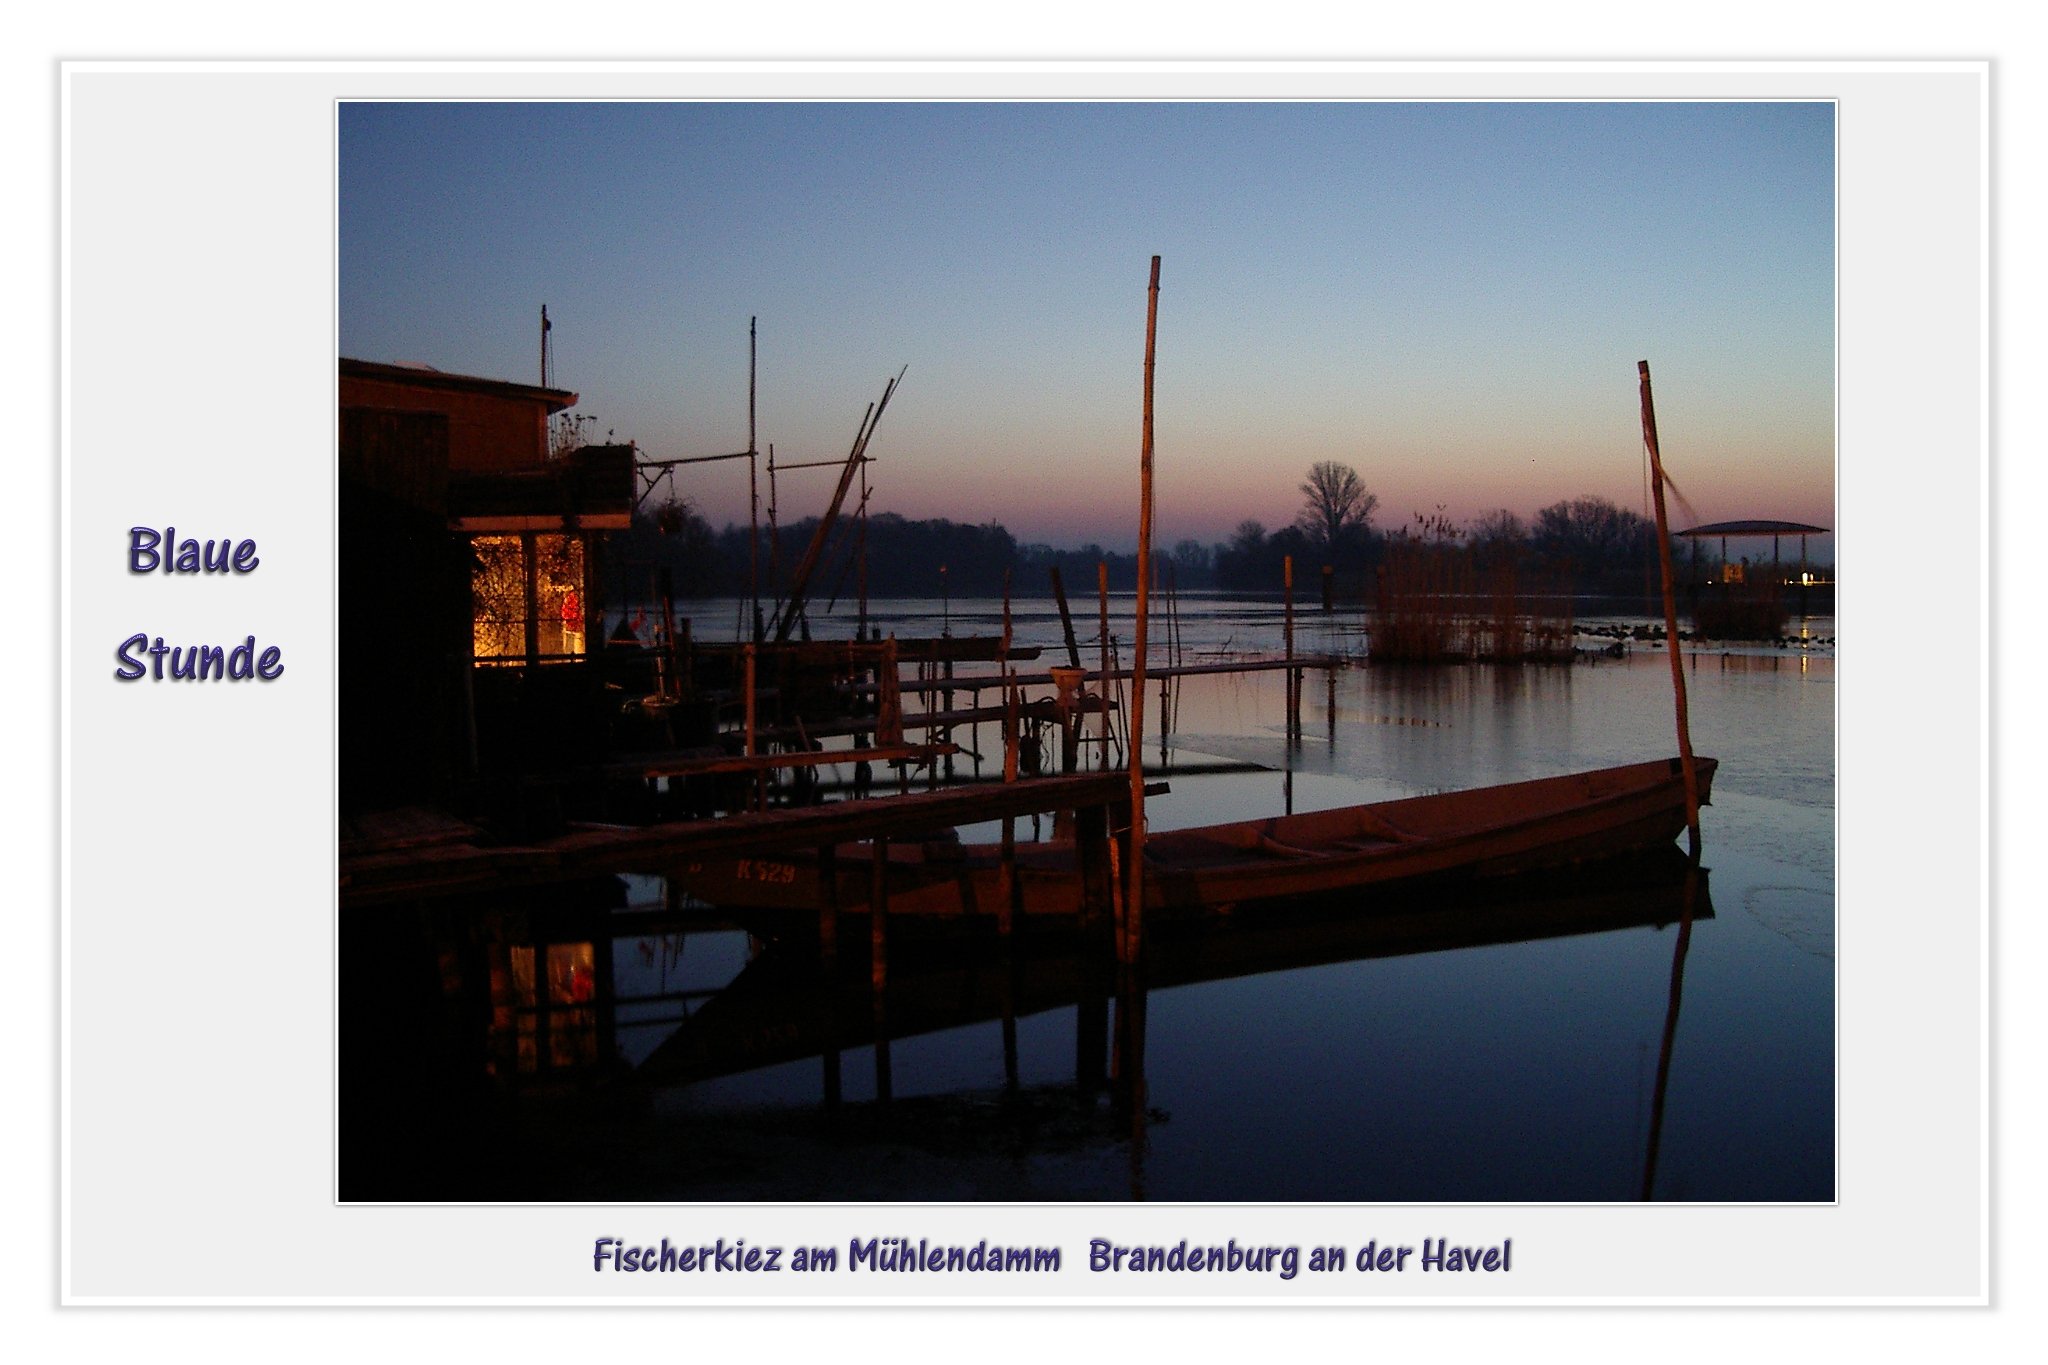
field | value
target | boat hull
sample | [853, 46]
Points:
[1490, 832]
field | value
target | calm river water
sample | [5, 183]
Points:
[1442, 1060]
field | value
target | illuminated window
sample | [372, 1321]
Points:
[497, 589]
[558, 592]
[526, 597]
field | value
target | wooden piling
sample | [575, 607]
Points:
[761, 778]
[1009, 1003]
[1165, 717]
[1102, 679]
[885, 1089]
[878, 960]
[1685, 759]
[828, 965]
[945, 704]
[1330, 707]
[749, 664]
[1091, 1035]
[1134, 897]
[878, 914]
[1293, 676]
[666, 581]
[1059, 595]
[1006, 903]
[828, 905]
[1091, 855]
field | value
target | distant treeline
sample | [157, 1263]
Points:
[904, 559]
[1588, 542]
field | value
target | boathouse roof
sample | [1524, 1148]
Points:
[1754, 528]
[427, 377]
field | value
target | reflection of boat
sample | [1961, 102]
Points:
[1485, 832]
[782, 1008]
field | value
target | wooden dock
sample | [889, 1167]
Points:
[413, 872]
[699, 763]
[976, 681]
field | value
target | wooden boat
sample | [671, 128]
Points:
[1520, 827]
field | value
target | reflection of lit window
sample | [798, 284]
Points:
[562, 1007]
[526, 596]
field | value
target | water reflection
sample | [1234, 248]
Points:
[589, 1016]
[599, 1046]
[1693, 880]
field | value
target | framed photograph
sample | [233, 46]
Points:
[993, 684]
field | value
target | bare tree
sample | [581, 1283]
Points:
[1339, 508]
[1497, 535]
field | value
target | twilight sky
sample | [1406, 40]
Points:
[1450, 297]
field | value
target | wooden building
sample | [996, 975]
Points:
[468, 572]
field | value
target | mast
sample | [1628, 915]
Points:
[1134, 901]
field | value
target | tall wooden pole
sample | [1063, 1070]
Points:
[861, 549]
[1102, 677]
[1134, 908]
[1293, 679]
[753, 497]
[774, 535]
[1692, 784]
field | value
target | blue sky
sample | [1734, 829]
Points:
[1450, 297]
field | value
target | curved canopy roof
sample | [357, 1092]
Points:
[1754, 528]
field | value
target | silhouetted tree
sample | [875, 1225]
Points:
[1237, 560]
[1338, 514]
[1497, 537]
[1192, 562]
[1599, 539]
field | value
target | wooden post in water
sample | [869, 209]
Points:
[1692, 783]
[1091, 854]
[1005, 652]
[1102, 679]
[1134, 871]
[1330, 708]
[1008, 990]
[1006, 902]
[878, 961]
[1165, 674]
[945, 736]
[748, 682]
[666, 579]
[1293, 678]
[760, 779]
[1059, 595]
[828, 905]
[828, 964]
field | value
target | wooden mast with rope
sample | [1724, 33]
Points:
[1134, 897]
[1657, 481]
